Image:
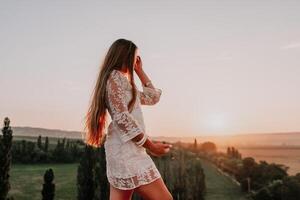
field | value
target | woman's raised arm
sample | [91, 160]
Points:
[150, 95]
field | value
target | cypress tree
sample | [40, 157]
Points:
[86, 175]
[5, 159]
[101, 182]
[48, 190]
[229, 151]
[46, 144]
[195, 145]
[39, 142]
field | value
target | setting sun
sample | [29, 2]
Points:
[216, 123]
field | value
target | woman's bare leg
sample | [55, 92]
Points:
[156, 190]
[117, 194]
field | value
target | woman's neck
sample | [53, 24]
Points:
[124, 70]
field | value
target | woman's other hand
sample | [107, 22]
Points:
[160, 148]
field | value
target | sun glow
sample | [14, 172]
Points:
[217, 122]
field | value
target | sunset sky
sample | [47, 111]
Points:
[224, 68]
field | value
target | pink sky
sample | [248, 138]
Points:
[224, 68]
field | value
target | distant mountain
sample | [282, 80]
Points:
[246, 140]
[35, 132]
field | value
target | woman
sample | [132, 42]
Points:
[129, 167]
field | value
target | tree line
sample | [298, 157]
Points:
[260, 180]
[29, 152]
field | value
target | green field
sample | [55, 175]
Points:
[27, 181]
[220, 187]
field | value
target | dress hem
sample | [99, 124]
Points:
[121, 188]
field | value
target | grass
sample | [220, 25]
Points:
[27, 181]
[220, 187]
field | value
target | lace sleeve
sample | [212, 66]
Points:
[126, 123]
[149, 96]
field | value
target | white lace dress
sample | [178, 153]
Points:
[128, 165]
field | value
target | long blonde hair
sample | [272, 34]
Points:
[120, 54]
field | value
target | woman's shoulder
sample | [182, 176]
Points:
[117, 77]
[117, 73]
[114, 75]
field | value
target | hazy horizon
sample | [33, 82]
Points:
[224, 67]
[208, 135]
